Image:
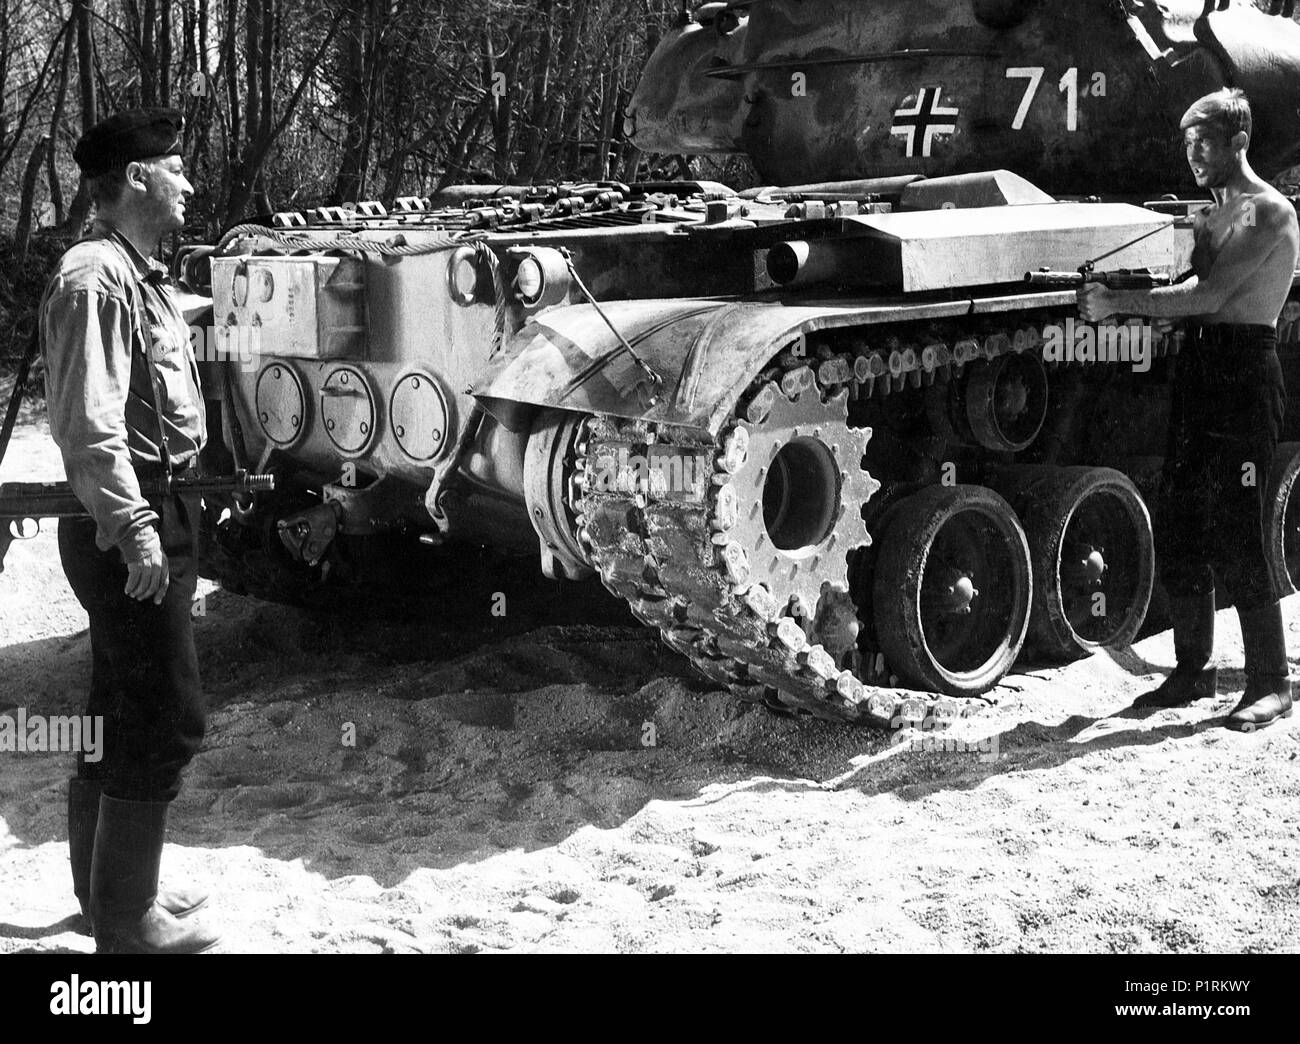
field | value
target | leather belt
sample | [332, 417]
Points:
[1236, 335]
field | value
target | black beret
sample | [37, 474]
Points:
[133, 134]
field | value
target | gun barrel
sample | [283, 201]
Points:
[36, 500]
[1055, 279]
[20, 500]
[1119, 280]
[56, 499]
[243, 482]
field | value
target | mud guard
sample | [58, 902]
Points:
[705, 351]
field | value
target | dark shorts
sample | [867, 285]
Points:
[1226, 412]
[144, 669]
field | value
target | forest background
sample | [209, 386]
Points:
[292, 104]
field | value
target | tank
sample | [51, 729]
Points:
[824, 434]
[1078, 97]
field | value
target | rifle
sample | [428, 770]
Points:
[1119, 279]
[23, 502]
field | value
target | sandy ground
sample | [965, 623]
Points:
[500, 797]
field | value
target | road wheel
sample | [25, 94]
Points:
[1282, 518]
[952, 589]
[1094, 560]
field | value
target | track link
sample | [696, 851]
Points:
[672, 560]
[677, 566]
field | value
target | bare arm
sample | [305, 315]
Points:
[1255, 234]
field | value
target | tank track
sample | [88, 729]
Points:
[662, 559]
[674, 564]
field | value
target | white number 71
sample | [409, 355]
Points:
[1069, 85]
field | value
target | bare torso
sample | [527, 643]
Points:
[1260, 298]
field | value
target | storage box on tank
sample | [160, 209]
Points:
[297, 307]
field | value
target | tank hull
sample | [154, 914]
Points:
[859, 488]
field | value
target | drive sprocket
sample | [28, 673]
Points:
[749, 575]
[791, 509]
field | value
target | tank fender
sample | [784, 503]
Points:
[706, 353]
[570, 359]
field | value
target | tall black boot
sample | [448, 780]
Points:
[1268, 681]
[124, 884]
[83, 817]
[1190, 680]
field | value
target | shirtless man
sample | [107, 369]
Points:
[1226, 412]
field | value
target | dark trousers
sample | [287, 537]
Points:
[1226, 412]
[144, 670]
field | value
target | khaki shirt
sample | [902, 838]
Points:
[97, 382]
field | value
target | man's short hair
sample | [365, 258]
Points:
[109, 187]
[1226, 111]
[106, 189]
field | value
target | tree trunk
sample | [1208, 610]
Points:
[82, 11]
[22, 235]
[4, 66]
[531, 145]
[148, 55]
[165, 52]
[202, 62]
[353, 48]
[244, 169]
[261, 197]
[266, 70]
[56, 117]
[253, 68]
[459, 156]
[38, 91]
[228, 76]
[198, 92]
[190, 62]
[608, 113]
[502, 104]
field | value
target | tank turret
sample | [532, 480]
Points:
[1079, 96]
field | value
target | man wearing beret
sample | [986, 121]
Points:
[125, 406]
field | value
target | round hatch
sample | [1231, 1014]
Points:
[419, 417]
[281, 404]
[347, 410]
